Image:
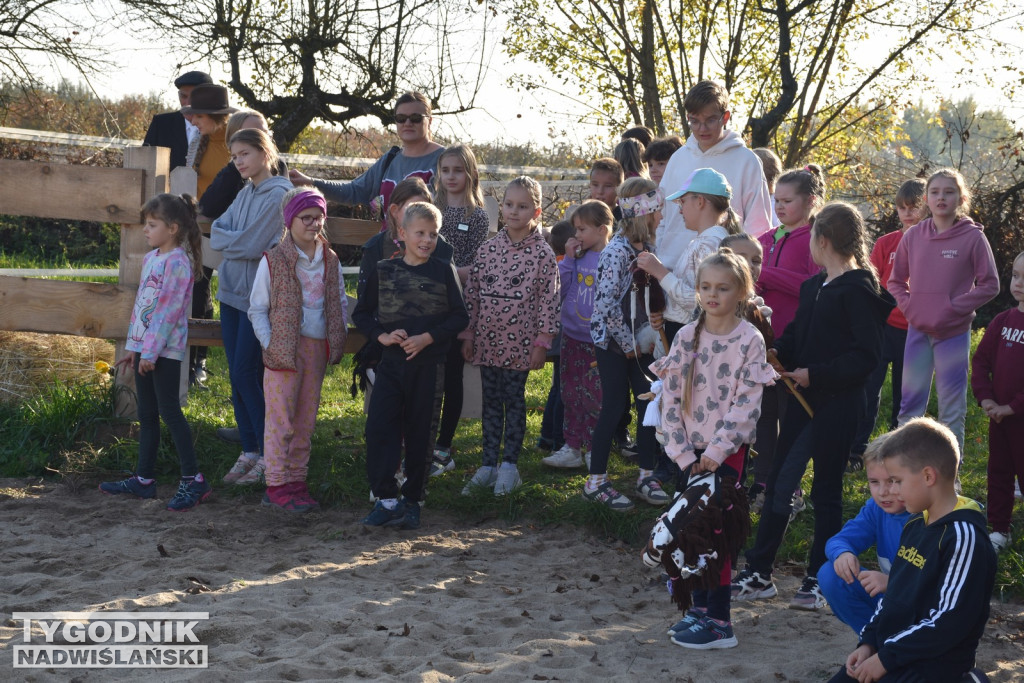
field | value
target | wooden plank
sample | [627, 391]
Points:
[351, 231]
[86, 309]
[85, 193]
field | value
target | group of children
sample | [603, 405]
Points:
[733, 302]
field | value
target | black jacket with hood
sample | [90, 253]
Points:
[837, 335]
[937, 602]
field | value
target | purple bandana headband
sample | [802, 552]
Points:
[642, 204]
[301, 202]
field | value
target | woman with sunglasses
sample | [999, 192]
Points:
[416, 158]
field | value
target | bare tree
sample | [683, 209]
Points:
[33, 31]
[297, 61]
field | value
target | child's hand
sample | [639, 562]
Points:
[997, 413]
[538, 356]
[572, 246]
[128, 361]
[145, 366]
[874, 582]
[857, 658]
[648, 262]
[395, 337]
[869, 670]
[705, 464]
[416, 343]
[467, 350]
[847, 567]
[801, 376]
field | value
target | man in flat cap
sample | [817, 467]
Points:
[174, 129]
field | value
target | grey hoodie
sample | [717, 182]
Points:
[251, 225]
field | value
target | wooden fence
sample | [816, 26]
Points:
[111, 195]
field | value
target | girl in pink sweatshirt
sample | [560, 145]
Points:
[943, 272]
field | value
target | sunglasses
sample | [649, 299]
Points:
[413, 118]
[312, 220]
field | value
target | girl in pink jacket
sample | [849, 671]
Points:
[944, 271]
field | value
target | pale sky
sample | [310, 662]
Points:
[142, 66]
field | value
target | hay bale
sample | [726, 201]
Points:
[30, 362]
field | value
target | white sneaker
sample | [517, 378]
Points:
[999, 540]
[484, 478]
[508, 479]
[565, 457]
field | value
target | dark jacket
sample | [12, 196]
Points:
[417, 299]
[935, 608]
[836, 333]
[168, 130]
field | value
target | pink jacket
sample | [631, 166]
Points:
[787, 263]
[940, 279]
[512, 296]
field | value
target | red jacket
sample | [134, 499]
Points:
[882, 257]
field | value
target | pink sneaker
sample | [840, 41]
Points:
[292, 496]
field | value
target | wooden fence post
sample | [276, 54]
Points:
[156, 162]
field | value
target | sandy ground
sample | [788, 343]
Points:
[319, 597]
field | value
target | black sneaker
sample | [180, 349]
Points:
[749, 585]
[809, 596]
[191, 492]
[131, 486]
[412, 515]
[381, 516]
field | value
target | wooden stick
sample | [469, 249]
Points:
[790, 384]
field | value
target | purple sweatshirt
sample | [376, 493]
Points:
[579, 282]
[953, 274]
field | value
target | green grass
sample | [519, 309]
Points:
[58, 431]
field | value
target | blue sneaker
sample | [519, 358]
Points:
[693, 615]
[381, 516]
[706, 634]
[132, 486]
[191, 492]
[411, 520]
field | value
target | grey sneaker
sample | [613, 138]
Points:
[650, 490]
[608, 496]
[508, 479]
[484, 478]
[565, 457]
[999, 540]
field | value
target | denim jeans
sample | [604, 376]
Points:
[245, 369]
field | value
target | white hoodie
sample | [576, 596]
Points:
[741, 167]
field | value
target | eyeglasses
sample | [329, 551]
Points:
[412, 118]
[317, 219]
[706, 123]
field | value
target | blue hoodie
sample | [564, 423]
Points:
[251, 225]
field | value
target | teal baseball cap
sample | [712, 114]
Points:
[704, 181]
